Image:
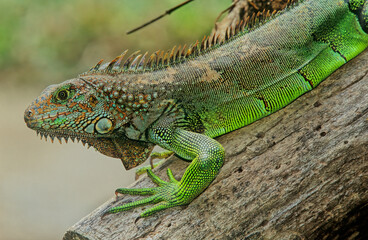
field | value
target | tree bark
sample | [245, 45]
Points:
[300, 173]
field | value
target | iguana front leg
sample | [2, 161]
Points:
[207, 156]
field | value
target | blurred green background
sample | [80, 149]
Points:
[45, 188]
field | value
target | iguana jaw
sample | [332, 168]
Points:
[45, 126]
[112, 144]
[60, 135]
[37, 124]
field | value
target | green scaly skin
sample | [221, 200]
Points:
[183, 99]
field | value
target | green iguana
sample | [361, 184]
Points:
[182, 99]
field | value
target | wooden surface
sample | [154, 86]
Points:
[297, 174]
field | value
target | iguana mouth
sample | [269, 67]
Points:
[60, 135]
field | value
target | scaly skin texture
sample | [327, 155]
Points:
[182, 100]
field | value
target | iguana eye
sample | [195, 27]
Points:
[63, 95]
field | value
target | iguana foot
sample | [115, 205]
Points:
[207, 156]
[166, 195]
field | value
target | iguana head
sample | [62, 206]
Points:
[89, 111]
[111, 106]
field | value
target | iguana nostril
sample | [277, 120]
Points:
[28, 114]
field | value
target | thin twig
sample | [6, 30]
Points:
[167, 12]
[226, 10]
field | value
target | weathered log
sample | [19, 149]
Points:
[300, 173]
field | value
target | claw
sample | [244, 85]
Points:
[104, 214]
[151, 163]
[136, 220]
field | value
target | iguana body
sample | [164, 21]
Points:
[183, 99]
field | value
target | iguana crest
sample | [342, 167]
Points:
[138, 63]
